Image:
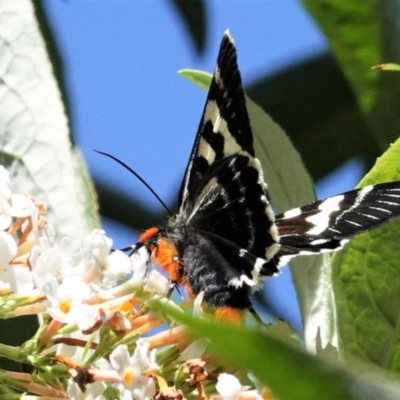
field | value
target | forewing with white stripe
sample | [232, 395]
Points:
[224, 128]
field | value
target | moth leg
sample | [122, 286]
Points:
[256, 316]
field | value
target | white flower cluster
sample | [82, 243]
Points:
[127, 374]
[69, 276]
[87, 293]
[75, 282]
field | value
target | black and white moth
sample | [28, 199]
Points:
[225, 239]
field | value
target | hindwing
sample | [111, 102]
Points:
[326, 225]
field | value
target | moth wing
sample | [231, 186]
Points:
[328, 224]
[224, 127]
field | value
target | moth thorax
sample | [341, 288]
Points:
[177, 232]
[176, 223]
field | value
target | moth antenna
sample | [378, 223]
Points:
[138, 177]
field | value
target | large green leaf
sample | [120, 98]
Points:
[290, 186]
[361, 35]
[367, 282]
[287, 370]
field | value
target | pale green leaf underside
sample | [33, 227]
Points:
[34, 134]
[367, 282]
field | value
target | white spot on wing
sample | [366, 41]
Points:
[228, 34]
[387, 202]
[292, 213]
[204, 199]
[242, 252]
[380, 209]
[275, 233]
[317, 242]
[258, 265]
[272, 250]
[213, 115]
[364, 191]
[285, 259]
[321, 219]
[206, 151]
[352, 223]
[369, 216]
[217, 77]
[238, 282]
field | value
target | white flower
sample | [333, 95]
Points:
[5, 199]
[8, 250]
[70, 253]
[45, 266]
[140, 260]
[157, 282]
[66, 299]
[4, 176]
[118, 321]
[116, 266]
[17, 278]
[134, 385]
[107, 268]
[97, 244]
[87, 317]
[228, 386]
[93, 391]
[22, 206]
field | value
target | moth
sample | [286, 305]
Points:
[225, 240]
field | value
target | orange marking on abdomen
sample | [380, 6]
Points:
[168, 258]
[148, 234]
[235, 315]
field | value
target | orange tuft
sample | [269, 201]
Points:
[167, 257]
[235, 315]
[148, 234]
[189, 291]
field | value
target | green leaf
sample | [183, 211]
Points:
[354, 31]
[289, 186]
[200, 78]
[363, 34]
[286, 370]
[367, 282]
[194, 16]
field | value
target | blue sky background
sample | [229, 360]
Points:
[121, 62]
